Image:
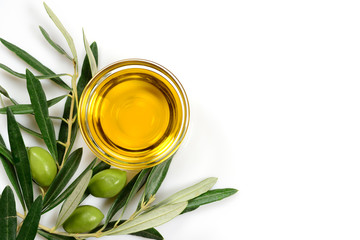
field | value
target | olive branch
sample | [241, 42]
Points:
[15, 161]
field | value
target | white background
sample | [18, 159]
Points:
[274, 88]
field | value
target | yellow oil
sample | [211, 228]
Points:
[134, 113]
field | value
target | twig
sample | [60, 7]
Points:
[74, 104]
[75, 235]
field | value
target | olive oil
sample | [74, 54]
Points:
[134, 116]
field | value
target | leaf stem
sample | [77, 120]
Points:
[42, 191]
[61, 143]
[19, 226]
[58, 118]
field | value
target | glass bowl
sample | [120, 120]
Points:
[133, 114]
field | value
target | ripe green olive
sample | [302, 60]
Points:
[107, 183]
[42, 166]
[83, 219]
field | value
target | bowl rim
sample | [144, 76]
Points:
[132, 163]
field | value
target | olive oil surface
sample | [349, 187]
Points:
[134, 113]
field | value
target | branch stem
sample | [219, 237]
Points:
[75, 235]
[40, 226]
[72, 117]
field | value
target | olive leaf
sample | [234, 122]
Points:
[150, 233]
[62, 29]
[53, 44]
[33, 62]
[41, 111]
[6, 94]
[68, 190]
[27, 108]
[6, 153]
[154, 181]
[63, 177]
[93, 65]
[101, 166]
[30, 225]
[124, 194]
[55, 100]
[209, 197]
[86, 70]
[189, 193]
[63, 131]
[20, 158]
[53, 236]
[73, 200]
[30, 131]
[11, 174]
[140, 181]
[8, 221]
[23, 76]
[150, 219]
[12, 72]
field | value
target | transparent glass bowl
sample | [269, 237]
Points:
[114, 154]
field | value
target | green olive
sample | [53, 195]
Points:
[42, 166]
[107, 183]
[83, 219]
